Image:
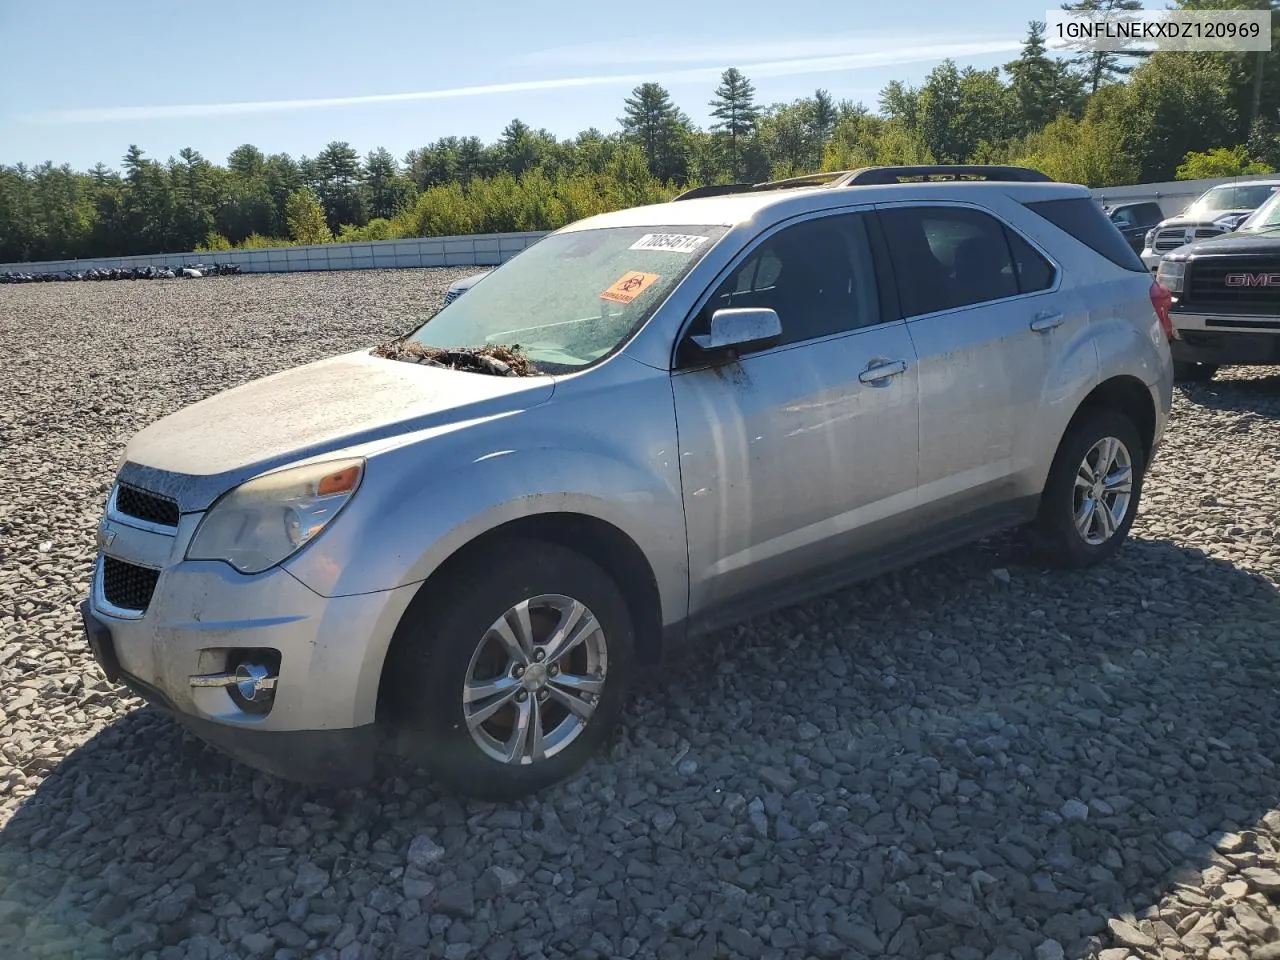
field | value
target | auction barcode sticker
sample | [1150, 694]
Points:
[675, 242]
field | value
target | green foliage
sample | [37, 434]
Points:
[213, 243]
[306, 217]
[1220, 162]
[1172, 105]
[258, 242]
[1106, 121]
[1264, 142]
[1078, 151]
[376, 229]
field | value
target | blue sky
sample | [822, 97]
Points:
[81, 81]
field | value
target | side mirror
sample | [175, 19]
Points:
[737, 329]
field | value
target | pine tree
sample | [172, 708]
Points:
[1097, 67]
[1041, 85]
[822, 122]
[735, 108]
[655, 123]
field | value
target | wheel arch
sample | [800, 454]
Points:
[598, 540]
[1127, 395]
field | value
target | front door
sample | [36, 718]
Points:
[801, 455]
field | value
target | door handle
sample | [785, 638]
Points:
[1047, 320]
[882, 371]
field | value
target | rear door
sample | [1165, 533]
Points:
[987, 315]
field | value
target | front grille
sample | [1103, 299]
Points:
[135, 502]
[1168, 240]
[1206, 288]
[127, 585]
[451, 296]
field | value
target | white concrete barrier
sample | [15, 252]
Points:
[480, 250]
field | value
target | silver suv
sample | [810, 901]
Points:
[648, 425]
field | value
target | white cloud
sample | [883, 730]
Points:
[793, 66]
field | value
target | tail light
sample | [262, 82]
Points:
[1162, 300]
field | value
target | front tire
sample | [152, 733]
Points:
[513, 672]
[1091, 497]
[1188, 371]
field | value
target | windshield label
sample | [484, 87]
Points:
[629, 286]
[675, 242]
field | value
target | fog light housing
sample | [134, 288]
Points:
[255, 673]
[249, 678]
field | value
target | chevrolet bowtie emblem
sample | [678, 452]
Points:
[104, 537]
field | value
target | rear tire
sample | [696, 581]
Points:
[1188, 371]
[486, 638]
[1093, 490]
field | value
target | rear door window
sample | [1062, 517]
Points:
[948, 257]
[1035, 273]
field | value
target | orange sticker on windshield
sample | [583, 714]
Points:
[629, 286]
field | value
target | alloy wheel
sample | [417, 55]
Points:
[535, 679]
[1103, 490]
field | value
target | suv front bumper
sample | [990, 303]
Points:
[309, 756]
[320, 725]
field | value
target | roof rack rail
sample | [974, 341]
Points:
[714, 190]
[866, 176]
[942, 171]
[807, 180]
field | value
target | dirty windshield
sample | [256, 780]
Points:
[571, 298]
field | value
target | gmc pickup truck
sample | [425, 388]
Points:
[1226, 297]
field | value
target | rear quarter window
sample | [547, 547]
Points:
[1083, 219]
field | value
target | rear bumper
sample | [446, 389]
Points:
[335, 757]
[1246, 343]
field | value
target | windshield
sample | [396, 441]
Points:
[571, 298]
[1266, 217]
[1233, 197]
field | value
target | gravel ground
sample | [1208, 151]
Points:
[974, 759]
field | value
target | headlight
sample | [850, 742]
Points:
[269, 518]
[1150, 238]
[1170, 274]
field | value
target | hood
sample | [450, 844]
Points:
[1207, 221]
[466, 283]
[1231, 244]
[196, 454]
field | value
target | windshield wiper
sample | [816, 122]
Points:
[495, 360]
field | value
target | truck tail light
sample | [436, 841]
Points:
[1162, 300]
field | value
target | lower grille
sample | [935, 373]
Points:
[127, 585]
[1250, 292]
